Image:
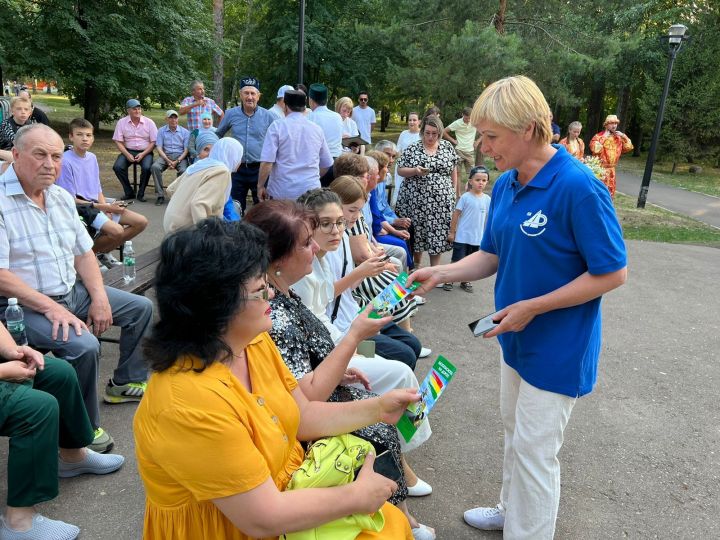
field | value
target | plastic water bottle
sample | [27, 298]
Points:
[15, 319]
[128, 262]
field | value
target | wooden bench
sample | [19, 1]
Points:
[145, 266]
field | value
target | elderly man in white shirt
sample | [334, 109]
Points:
[43, 249]
[294, 154]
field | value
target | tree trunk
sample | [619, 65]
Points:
[500, 17]
[672, 171]
[238, 60]
[218, 64]
[595, 110]
[623, 108]
[384, 118]
[91, 105]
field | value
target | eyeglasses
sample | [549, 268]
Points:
[363, 99]
[432, 134]
[328, 226]
[261, 295]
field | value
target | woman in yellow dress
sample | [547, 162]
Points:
[216, 434]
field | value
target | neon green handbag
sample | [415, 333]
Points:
[332, 462]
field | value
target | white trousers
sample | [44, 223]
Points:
[534, 421]
[386, 375]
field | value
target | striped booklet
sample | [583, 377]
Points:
[430, 391]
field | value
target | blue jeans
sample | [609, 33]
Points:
[394, 343]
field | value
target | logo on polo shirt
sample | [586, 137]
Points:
[535, 224]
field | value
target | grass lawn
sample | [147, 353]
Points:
[707, 182]
[652, 223]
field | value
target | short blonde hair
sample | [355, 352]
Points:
[14, 102]
[342, 102]
[515, 103]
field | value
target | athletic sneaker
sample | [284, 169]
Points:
[123, 393]
[425, 352]
[485, 518]
[41, 527]
[102, 442]
[93, 463]
[108, 260]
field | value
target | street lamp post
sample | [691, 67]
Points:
[676, 36]
[301, 42]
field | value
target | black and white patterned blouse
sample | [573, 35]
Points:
[304, 342]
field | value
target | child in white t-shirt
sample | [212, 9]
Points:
[468, 220]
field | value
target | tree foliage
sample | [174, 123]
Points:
[590, 58]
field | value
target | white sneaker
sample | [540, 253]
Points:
[108, 260]
[425, 352]
[485, 518]
[420, 300]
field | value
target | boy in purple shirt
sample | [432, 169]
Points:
[110, 224]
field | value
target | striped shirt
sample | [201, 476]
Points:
[38, 246]
[193, 116]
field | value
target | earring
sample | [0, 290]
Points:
[278, 273]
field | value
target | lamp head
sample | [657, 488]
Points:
[676, 33]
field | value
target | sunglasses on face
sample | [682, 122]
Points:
[363, 99]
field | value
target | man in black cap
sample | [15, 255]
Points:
[294, 154]
[329, 121]
[249, 123]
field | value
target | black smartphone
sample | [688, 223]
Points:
[483, 326]
[385, 258]
[386, 466]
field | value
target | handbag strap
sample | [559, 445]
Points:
[336, 307]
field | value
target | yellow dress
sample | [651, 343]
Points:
[202, 436]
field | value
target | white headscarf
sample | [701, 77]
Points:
[227, 151]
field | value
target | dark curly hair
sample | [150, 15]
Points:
[200, 288]
[282, 220]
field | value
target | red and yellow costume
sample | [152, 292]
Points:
[575, 148]
[608, 147]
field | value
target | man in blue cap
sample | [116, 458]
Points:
[249, 123]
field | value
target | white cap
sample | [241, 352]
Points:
[284, 88]
[12, 301]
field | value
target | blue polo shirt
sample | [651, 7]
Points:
[545, 234]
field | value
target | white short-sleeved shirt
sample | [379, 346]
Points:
[38, 246]
[473, 218]
[332, 125]
[364, 118]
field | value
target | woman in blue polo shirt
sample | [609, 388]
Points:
[554, 241]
